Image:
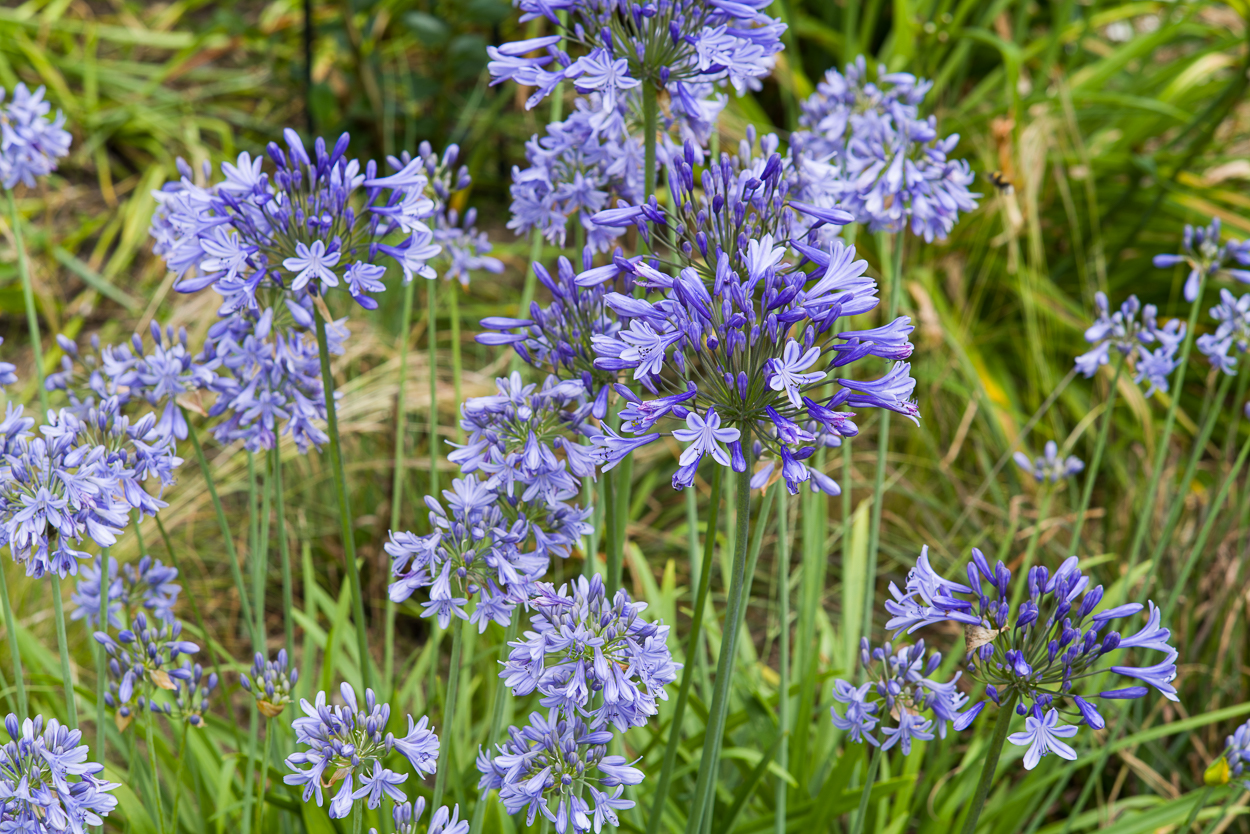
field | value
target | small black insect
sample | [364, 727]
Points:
[1001, 182]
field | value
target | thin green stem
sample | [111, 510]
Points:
[449, 711]
[284, 553]
[620, 517]
[1197, 809]
[698, 607]
[260, 556]
[1145, 513]
[261, 778]
[453, 312]
[1095, 463]
[1200, 542]
[182, 761]
[101, 661]
[253, 733]
[345, 519]
[431, 303]
[783, 670]
[1001, 726]
[28, 296]
[358, 813]
[1187, 479]
[719, 707]
[891, 247]
[397, 472]
[62, 643]
[650, 113]
[1030, 552]
[496, 720]
[10, 626]
[1219, 818]
[227, 537]
[869, 779]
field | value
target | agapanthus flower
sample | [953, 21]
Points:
[443, 821]
[315, 223]
[271, 683]
[560, 338]
[8, 371]
[716, 205]
[30, 141]
[476, 551]
[743, 362]
[268, 377]
[47, 784]
[866, 148]
[1237, 753]
[592, 655]
[142, 660]
[346, 743]
[147, 585]
[1231, 334]
[559, 767]
[78, 480]
[1206, 256]
[1050, 467]
[898, 698]
[1038, 656]
[680, 46]
[1132, 336]
[194, 688]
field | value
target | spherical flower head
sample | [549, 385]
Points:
[1042, 651]
[742, 357]
[142, 660]
[271, 683]
[560, 337]
[268, 376]
[683, 47]
[348, 744]
[1050, 467]
[1131, 332]
[559, 767]
[47, 784]
[313, 223]
[147, 585]
[866, 147]
[1205, 256]
[595, 656]
[30, 141]
[898, 695]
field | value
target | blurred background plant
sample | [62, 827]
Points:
[1096, 129]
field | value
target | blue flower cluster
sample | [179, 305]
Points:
[898, 689]
[597, 665]
[1206, 256]
[147, 585]
[141, 660]
[719, 204]
[349, 743]
[1232, 332]
[575, 170]
[30, 142]
[591, 655]
[1049, 468]
[684, 47]
[1131, 337]
[47, 785]
[546, 767]
[268, 378]
[443, 821]
[743, 361]
[867, 149]
[1036, 656]
[559, 338]
[316, 223]
[271, 683]
[79, 479]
